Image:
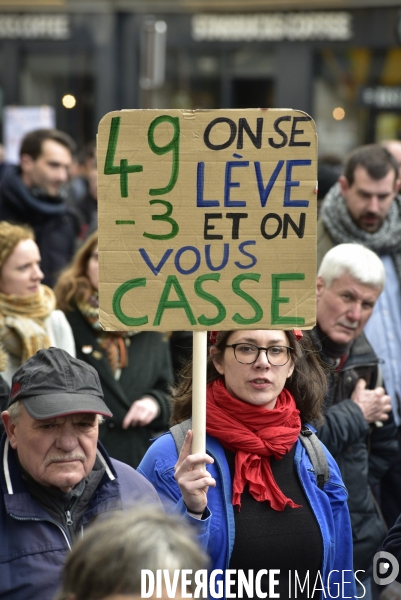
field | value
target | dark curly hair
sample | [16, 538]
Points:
[308, 382]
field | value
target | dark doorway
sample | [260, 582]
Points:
[252, 93]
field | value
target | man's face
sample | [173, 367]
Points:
[369, 200]
[344, 308]
[50, 170]
[57, 453]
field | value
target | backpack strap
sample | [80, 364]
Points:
[179, 432]
[317, 456]
[309, 440]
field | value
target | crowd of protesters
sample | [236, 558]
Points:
[81, 405]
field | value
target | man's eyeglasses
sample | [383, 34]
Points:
[278, 356]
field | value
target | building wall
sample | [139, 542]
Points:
[316, 61]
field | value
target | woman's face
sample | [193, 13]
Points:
[258, 383]
[21, 274]
[92, 270]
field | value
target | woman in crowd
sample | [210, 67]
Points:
[258, 506]
[28, 319]
[134, 367]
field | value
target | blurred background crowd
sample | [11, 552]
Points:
[65, 63]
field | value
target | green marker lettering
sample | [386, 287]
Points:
[221, 311]
[164, 217]
[173, 146]
[165, 304]
[277, 278]
[124, 168]
[118, 296]
[236, 286]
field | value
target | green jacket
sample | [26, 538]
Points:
[149, 372]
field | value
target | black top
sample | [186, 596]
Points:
[289, 540]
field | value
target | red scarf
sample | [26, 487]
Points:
[254, 434]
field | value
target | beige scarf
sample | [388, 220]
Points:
[22, 322]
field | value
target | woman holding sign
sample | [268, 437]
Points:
[264, 504]
[134, 367]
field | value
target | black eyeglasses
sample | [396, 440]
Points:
[246, 354]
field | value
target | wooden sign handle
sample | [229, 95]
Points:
[199, 391]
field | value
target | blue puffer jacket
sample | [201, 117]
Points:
[33, 546]
[216, 531]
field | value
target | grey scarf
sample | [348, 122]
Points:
[343, 230]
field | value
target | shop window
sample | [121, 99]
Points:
[366, 85]
[47, 78]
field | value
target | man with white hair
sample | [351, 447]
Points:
[54, 477]
[359, 429]
[364, 207]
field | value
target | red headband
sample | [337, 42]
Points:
[215, 334]
[213, 337]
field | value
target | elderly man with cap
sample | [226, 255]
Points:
[55, 477]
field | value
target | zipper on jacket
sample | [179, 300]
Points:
[44, 521]
[68, 517]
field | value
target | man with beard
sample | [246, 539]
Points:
[364, 207]
[32, 194]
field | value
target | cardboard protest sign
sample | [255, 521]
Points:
[207, 219]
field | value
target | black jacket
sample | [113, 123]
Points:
[363, 451]
[55, 224]
[392, 543]
[149, 372]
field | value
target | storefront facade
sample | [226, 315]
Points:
[342, 67]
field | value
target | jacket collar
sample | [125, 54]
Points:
[360, 352]
[22, 197]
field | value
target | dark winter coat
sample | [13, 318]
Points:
[33, 545]
[55, 224]
[149, 372]
[392, 544]
[363, 451]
